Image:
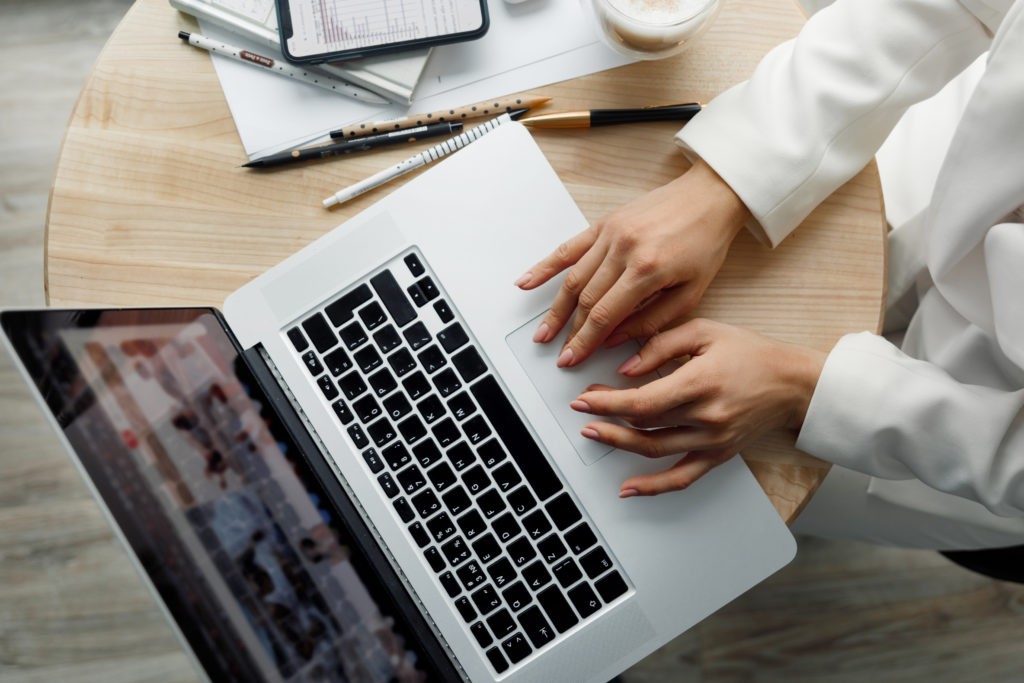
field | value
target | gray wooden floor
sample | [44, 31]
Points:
[839, 612]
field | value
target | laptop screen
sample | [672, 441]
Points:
[243, 545]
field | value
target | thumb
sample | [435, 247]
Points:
[689, 469]
[689, 339]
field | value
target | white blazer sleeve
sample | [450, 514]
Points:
[881, 412]
[818, 107]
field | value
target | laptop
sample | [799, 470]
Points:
[363, 469]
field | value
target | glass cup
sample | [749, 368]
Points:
[652, 29]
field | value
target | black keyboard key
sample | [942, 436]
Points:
[431, 409]
[426, 503]
[446, 432]
[483, 637]
[367, 359]
[396, 456]
[472, 524]
[373, 460]
[342, 411]
[516, 648]
[516, 596]
[501, 623]
[412, 262]
[320, 333]
[388, 485]
[522, 501]
[476, 429]
[501, 573]
[427, 453]
[429, 288]
[355, 432]
[536, 576]
[456, 551]
[469, 364]
[496, 659]
[596, 562]
[402, 362]
[434, 559]
[397, 406]
[456, 500]
[327, 386]
[452, 337]
[383, 382]
[580, 538]
[352, 385]
[393, 297]
[486, 548]
[537, 628]
[338, 361]
[340, 311]
[431, 359]
[461, 406]
[419, 299]
[444, 313]
[491, 503]
[476, 480]
[417, 336]
[411, 480]
[465, 608]
[585, 600]
[563, 511]
[486, 600]
[441, 527]
[517, 439]
[610, 586]
[537, 525]
[387, 339]
[451, 586]
[312, 363]
[492, 453]
[557, 609]
[381, 431]
[567, 572]
[416, 386]
[404, 510]
[373, 315]
[419, 534]
[353, 336]
[447, 383]
[521, 551]
[298, 340]
[470, 575]
[412, 429]
[505, 527]
[367, 409]
[552, 548]
[441, 476]
[461, 455]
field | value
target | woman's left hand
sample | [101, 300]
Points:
[736, 385]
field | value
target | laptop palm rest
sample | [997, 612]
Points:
[561, 386]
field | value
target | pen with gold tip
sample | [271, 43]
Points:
[610, 117]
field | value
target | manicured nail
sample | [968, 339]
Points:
[565, 358]
[523, 279]
[630, 363]
[541, 335]
[628, 493]
[615, 340]
[590, 433]
[580, 406]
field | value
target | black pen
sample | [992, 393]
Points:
[357, 144]
[609, 117]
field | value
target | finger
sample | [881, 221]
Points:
[568, 294]
[655, 443]
[666, 306]
[606, 314]
[689, 339]
[654, 398]
[566, 254]
[608, 273]
[678, 477]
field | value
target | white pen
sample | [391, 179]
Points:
[282, 68]
[412, 163]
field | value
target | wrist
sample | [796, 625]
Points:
[804, 369]
[731, 212]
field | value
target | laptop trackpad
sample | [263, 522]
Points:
[561, 386]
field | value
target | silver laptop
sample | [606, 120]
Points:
[365, 470]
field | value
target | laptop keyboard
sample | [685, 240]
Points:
[504, 538]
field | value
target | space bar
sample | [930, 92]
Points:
[516, 437]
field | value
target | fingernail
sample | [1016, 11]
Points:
[523, 279]
[628, 493]
[630, 363]
[616, 339]
[565, 358]
[590, 433]
[541, 335]
[581, 406]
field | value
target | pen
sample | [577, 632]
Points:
[469, 111]
[608, 117]
[281, 68]
[356, 145]
[414, 162]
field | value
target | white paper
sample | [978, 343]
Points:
[529, 45]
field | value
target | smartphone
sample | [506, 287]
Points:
[314, 31]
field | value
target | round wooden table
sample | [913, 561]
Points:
[150, 208]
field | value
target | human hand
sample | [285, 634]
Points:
[661, 250]
[736, 385]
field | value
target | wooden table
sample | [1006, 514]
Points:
[149, 206]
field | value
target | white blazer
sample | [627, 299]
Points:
[946, 408]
